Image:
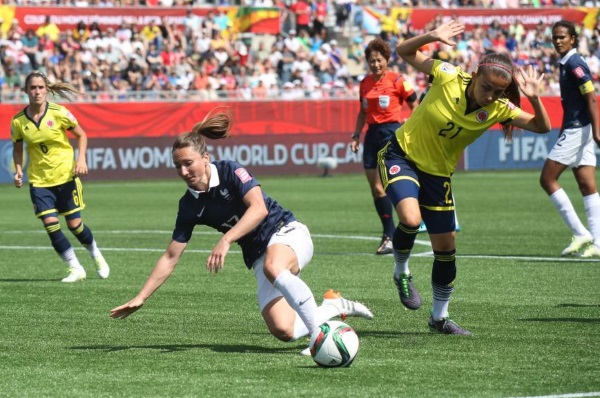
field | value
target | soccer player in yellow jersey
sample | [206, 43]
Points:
[52, 171]
[417, 165]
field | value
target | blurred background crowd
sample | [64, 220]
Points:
[320, 53]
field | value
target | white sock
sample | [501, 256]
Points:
[70, 258]
[93, 249]
[440, 309]
[323, 314]
[401, 263]
[299, 297]
[565, 208]
[592, 210]
[401, 268]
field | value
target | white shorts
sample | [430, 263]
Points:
[575, 147]
[294, 235]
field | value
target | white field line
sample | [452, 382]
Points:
[572, 395]
[351, 237]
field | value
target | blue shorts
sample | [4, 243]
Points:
[65, 199]
[375, 139]
[402, 179]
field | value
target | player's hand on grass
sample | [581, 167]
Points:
[123, 311]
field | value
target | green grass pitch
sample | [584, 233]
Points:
[535, 316]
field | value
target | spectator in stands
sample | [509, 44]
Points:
[302, 12]
[48, 28]
[81, 32]
[31, 47]
[320, 11]
[152, 34]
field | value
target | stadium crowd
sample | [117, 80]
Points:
[205, 59]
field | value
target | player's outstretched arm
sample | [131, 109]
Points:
[160, 273]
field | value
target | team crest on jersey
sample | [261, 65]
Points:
[511, 106]
[224, 193]
[482, 116]
[395, 169]
[50, 123]
[243, 175]
[448, 68]
[579, 72]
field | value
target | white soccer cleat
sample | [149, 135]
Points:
[577, 242]
[306, 352]
[102, 267]
[591, 251]
[346, 307]
[75, 275]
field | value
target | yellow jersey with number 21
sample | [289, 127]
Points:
[439, 130]
[51, 156]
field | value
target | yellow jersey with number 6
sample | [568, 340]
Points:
[441, 127]
[51, 156]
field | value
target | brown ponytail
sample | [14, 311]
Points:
[216, 125]
[57, 89]
[501, 65]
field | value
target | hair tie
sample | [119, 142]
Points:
[496, 65]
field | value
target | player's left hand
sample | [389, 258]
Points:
[529, 82]
[81, 168]
[216, 259]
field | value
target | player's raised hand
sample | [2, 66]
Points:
[447, 31]
[529, 81]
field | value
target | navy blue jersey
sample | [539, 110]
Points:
[575, 81]
[222, 206]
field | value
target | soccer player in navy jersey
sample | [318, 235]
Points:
[579, 136]
[416, 166]
[52, 171]
[382, 94]
[225, 196]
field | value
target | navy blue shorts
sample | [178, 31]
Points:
[377, 136]
[65, 199]
[402, 179]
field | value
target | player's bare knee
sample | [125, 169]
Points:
[282, 332]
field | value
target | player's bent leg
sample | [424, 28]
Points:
[280, 318]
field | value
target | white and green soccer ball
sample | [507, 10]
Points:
[334, 344]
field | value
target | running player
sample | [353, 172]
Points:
[276, 247]
[416, 167]
[382, 94]
[53, 172]
[579, 135]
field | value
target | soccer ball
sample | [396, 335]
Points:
[334, 344]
